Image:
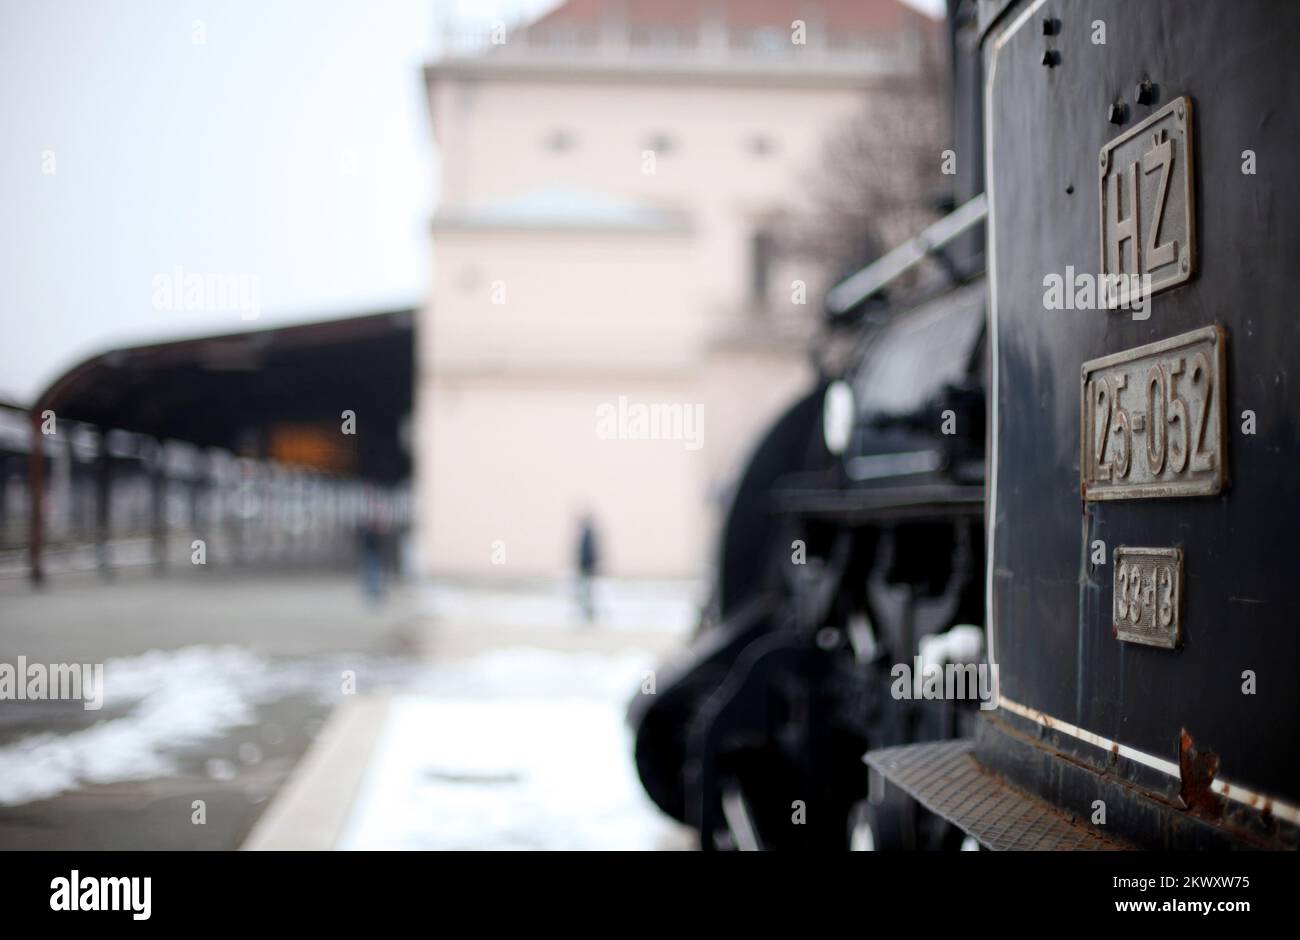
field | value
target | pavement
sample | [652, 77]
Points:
[278, 710]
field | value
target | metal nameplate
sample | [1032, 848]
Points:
[1148, 209]
[1153, 420]
[1148, 604]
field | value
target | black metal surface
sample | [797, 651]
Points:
[746, 545]
[661, 722]
[1141, 805]
[1051, 606]
[883, 504]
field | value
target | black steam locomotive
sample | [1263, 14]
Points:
[1016, 575]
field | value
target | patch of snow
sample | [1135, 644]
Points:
[519, 748]
[518, 774]
[653, 606]
[516, 749]
[524, 672]
[159, 703]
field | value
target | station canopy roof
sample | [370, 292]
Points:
[238, 391]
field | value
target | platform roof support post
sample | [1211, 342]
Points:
[158, 492]
[36, 494]
[103, 505]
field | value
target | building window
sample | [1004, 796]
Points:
[559, 141]
[468, 278]
[661, 38]
[661, 144]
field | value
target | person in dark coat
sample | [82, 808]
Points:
[374, 539]
[588, 562]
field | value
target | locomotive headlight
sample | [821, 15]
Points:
[838, 415]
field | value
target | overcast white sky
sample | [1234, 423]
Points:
[291, 145]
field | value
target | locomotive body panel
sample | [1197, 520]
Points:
[1226, 689]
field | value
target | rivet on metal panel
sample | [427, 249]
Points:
[1146, 92]
[1051, 26]
[1051, 58]
[1117, 113]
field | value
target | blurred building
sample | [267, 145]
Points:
[610, 325]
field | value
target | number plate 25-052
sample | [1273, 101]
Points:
[1153, 420]
[1148, 596]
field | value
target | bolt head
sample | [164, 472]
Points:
[1117, 113]
[1145, 92]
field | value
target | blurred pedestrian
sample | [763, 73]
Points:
[373, 552]
[588, 562]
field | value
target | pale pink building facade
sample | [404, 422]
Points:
[605, 333]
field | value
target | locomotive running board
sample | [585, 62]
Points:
[946, 779]
[1017, 787]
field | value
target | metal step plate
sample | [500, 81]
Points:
[945, 778]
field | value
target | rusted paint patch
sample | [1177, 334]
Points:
[1197, 771]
